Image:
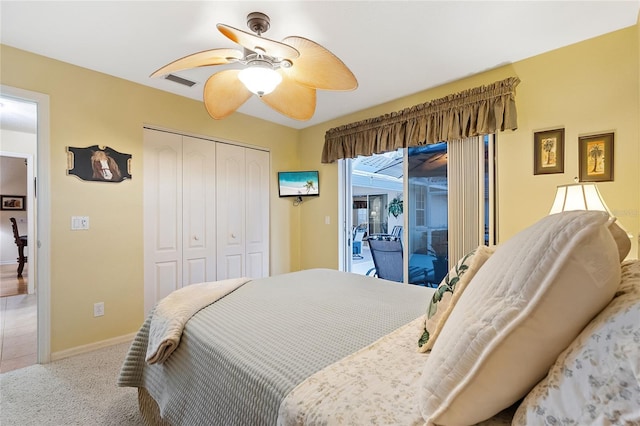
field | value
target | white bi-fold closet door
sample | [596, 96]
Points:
[242, 189]
[206, 212]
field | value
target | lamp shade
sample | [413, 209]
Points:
[578, 197]
[585, 196]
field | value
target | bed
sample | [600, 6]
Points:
[492, 345]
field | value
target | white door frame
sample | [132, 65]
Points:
[345, 216]
[345, 219]
[42, 250]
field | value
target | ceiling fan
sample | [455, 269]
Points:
[285, 75]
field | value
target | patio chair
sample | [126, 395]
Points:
[386, 252]
[387, 258]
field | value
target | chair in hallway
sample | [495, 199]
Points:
[387, 258]
[21, 242]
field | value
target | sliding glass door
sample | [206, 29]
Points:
[437, 198]
[427, 214]
[373, 182]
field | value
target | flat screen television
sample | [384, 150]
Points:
[298, 184]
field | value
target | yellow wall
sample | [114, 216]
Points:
[105, 263]
[587, 88]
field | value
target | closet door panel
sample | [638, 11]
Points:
[199, 216]
[255, 265]
[166, 277]
[230, 195]
[168, 211]
[162, 164]
[257, 213]
[233, 266]
[194, 271]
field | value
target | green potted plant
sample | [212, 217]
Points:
[396, 206]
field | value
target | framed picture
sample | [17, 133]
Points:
[13, 202]
[548, 152]
[596, 157]
[98, 164]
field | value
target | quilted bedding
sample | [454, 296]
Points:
[241, 356]
[373, 386]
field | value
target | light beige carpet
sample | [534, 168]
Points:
[79, 390]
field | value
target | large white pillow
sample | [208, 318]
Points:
[525, 305]
[596, 380]
[622, 240]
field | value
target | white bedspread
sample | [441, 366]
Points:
[376, 385]
[173, 312]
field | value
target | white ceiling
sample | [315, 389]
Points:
[395, 48]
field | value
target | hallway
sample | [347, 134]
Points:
[18, 322]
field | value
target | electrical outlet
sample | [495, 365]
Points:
[98, 309]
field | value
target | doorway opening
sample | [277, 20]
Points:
[24, 124]
[18, 301]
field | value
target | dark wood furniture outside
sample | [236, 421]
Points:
[21, 242]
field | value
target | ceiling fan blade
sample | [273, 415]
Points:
[319, 68]
[224, 93]
[256, 43]
[292, 99]
[201, 59]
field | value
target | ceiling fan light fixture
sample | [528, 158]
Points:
[296, 66]
[260, 77]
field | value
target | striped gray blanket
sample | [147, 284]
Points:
[239, 357]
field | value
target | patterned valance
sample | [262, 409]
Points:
[479, 111]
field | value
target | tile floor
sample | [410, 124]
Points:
[18, 327]
[361, 266]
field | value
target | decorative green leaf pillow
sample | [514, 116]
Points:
[448, 293]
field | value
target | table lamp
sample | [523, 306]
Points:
[585, 196]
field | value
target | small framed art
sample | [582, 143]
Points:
[596, 158]
[548, 152]
[12, 202]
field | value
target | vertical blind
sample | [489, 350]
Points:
[465, 173]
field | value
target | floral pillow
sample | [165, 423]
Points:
[596, 379]
[448, 292]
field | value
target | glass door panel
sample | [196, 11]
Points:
[377, 213]
[375, 181]
[428, 214]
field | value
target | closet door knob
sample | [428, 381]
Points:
[195, 237]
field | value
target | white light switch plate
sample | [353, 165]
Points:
[79, 222]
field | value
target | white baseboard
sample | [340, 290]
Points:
[55, 356]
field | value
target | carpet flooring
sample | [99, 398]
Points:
[79, 390]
